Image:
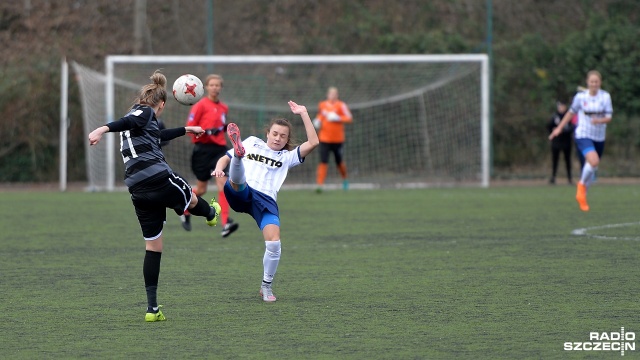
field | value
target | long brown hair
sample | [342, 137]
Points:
[155, 93]
[291, 144]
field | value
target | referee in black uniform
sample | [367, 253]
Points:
[151, 182]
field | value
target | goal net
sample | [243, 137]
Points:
[418, 120]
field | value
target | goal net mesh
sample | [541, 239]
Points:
[414, 123]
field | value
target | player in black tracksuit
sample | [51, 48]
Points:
[561, 143]
[154, 187]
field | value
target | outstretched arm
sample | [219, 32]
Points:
[96, 135]
[122, 124]
[222, 164]
[170, 134]
[312, 137]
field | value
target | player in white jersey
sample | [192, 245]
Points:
[257, 170]
[595, 111]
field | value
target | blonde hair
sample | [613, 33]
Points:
[155, 93]
[290, 145]
[213, 76]
[596, 73]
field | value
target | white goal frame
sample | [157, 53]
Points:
[483, 59]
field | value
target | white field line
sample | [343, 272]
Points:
[588, 232]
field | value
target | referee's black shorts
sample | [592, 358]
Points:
[204, 159]
[152, 201]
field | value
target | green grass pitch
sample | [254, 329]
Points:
[388, 274]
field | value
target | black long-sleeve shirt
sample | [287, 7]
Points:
[140, 136]
[563, 140]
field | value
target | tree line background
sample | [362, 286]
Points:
[542, 50]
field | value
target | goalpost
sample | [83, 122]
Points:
[419, 120]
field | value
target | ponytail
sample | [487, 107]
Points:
[155, 93]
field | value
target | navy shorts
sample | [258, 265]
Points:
[587, 145]
[261, 207]
[152, 201]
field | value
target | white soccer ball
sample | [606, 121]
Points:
[188, 89]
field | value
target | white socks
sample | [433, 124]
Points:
[271, 259]
[236, 171]
[587, 174]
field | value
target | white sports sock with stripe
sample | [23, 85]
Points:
[271, 259]
[236, 171]
[587, 174]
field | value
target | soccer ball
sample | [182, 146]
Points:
[188, 89]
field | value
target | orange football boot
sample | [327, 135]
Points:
[581, 197]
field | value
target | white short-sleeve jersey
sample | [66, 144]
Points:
[587, 106]
[266, 169]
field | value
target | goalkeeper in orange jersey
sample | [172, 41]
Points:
[332, 115]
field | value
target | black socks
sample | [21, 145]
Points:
[151, 272]
[202, 208]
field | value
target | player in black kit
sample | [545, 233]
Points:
[154, 187]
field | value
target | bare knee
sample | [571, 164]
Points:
[593, 159]
[154, 245]
[201, 188]
[194, 201]
[271, 232]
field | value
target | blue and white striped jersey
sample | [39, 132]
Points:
[587, 106]
[266, 169]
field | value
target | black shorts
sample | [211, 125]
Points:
[326, 148]
[152, 201]
[204, 159]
